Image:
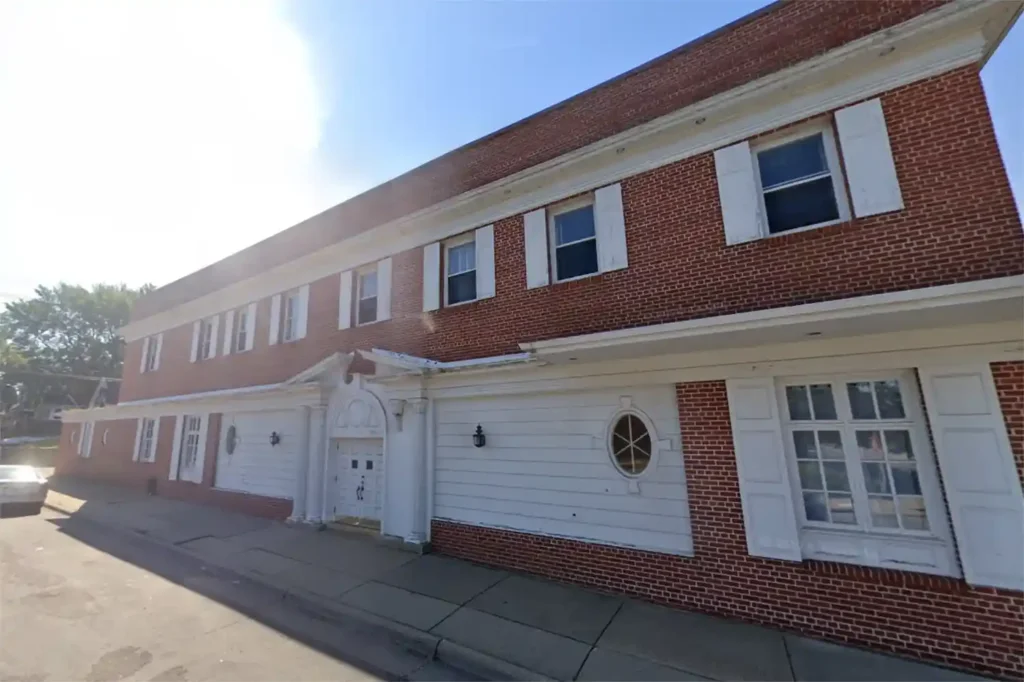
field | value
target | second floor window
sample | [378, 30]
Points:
[241, 330]
[366, 308]
[798, 182]
[152, 350]
[290, 318]
[207, 346]
[460, 276]
[573, 239]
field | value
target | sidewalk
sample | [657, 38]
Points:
[493, 623]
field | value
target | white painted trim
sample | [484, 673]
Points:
[418, 365]
[172, 475]
[1003, 288]
[933, 43]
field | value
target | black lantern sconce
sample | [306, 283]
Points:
[479, 439]
[275, 438]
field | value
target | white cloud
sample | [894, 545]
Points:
[142, 140]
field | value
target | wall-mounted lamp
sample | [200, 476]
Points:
[479, 439]
[275, 438]
[397, 406]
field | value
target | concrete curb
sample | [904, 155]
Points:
[409, 638]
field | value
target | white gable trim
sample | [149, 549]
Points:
[933, 43]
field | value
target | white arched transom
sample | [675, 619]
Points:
[356, 413]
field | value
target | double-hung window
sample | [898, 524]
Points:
[152, 346]
[207, 346]
[860, 460]
[573, 239]
[800, 180]
[366, 306]
[290, 318]
[147, 441]
[190, 441]
[241, 341]
[460, 273]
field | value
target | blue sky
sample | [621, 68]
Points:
[204, 126]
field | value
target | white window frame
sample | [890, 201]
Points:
[938, 538]
[152, 345]
[85, 440]
[553, 246]
[188, 444]
[290, 302]
[462, 240]
[360, 273]
[147, 441]
[835, 169]
[207, 344]
[239, 344]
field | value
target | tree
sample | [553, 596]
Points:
[64, 329]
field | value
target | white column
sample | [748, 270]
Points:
[404, 471]
[315, 468]
[417, 425]
[302, 466]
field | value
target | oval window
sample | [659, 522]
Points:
[231, 439]
[631, 445]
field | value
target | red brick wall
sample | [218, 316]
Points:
[113, 463]
[930, 617]
[960, 223]
[1009, 381]
[786, 34]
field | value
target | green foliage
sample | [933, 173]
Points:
[64, 329]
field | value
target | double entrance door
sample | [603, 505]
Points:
[358, 478]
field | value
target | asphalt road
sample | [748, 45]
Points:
[78, 602]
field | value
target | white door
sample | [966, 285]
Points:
[360, 477]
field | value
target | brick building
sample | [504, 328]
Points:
[737, 331]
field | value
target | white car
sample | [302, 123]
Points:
[22, 490]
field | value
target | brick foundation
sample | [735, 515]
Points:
[933, 618]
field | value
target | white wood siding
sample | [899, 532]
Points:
[256, 467]
[546, 469]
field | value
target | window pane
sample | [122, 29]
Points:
[841, 509]
[803, 443]
[831, 445]
[898, 445]
[574, 225]
[883, 513]
[461, 258]
[815, 508]
[644, 444]
[835, 476]
[368, 285]
[788, 162]
[912, 513]
[875, 478]
[801, 205]
[870, 445]
[796, 398]
[367, 310]
[462, 287]
[824, 405]
[860, 400]
[904, 478]
[890, 402]
[576, 260]
[810, 475]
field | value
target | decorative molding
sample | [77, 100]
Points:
[930, 44]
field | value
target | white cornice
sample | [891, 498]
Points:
[930, 44]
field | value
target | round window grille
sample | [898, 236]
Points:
[631, 445]
[231, 439]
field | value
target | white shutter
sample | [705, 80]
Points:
[156, 439]
[275, 320]
[229, 328]
[978, 473]
[610, 224]
[87, 445]
[213, 335]
[738, 192]
[768, 512]
[138, 439]
[175, 449]
[484, 239]
[159, 350]
[250, 327]
[196, 472]
[302, 314]
[867, 156]
[195, 340]
[535, 226]
[145, 352]
[345, 301]
[384, 289]
[431, 277]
